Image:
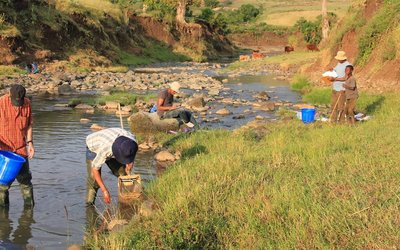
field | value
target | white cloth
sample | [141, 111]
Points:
[330, 74]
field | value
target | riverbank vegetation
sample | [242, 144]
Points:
[293, 185]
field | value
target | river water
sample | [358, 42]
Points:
[59, 217]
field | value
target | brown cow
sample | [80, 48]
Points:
[257, 55]
[312, 47]
[289, 49]
[244, 58]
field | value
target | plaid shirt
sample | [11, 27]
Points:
[101, 143]
[14, 124]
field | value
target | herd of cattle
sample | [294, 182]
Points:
[258, 55]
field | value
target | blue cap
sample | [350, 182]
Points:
[124, 149]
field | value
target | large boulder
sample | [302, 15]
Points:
[65, 89]
[143, 122]
[197, 102]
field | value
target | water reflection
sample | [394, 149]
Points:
[22, 234]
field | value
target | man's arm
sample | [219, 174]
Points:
[160, 101]
[97, 176]
[29, 142]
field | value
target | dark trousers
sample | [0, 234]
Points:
[24, 179]
[182, 115]
[337, 106]
[116, 168]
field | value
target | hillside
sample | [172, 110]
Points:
[370, 35]
[83, 34]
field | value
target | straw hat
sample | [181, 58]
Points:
[175, 86]
[340, 56]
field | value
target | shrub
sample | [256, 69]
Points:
[300, 83]
[389, 50]
[386, 17]
[212, 3]
[207, 15]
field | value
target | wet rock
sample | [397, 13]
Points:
[223, 111]
[84, 120]
[96, 127]
[225, 81]
[65, 89]
[72, 247]
[164, 156]
[144, 146]
[262, 95]
[259, 117]
[112, 105]
[122, 113]
[143, 122]
[84, 107]
[213, 92]
[197, 102]
[237, 117]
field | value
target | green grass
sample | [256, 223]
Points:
[291, 58]
[318, 96]
[300, 83]
[152, 53]
[6, 70]
[301, 186]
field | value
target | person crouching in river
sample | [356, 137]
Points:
[114, 146]
[166, 109]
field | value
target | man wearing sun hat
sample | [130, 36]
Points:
[166, 109]
[114, 146]
[16, 136]
[338, 91]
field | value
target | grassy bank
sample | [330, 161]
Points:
[294, 58]
[299, 186]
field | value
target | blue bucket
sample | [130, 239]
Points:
[307, 115]
[10, 165]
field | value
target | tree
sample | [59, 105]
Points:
[325, 21]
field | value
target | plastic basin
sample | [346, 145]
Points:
[10, 165]
[307, 115]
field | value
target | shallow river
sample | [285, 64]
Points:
[59, 172]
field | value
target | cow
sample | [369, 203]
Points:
[289, 49]
[312, 47]
[257, 55]
[244, 58]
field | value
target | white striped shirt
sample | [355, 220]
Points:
[101, 143]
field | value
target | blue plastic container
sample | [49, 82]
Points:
[307, 115]
[10, 165]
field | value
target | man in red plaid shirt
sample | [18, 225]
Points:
[16, 136]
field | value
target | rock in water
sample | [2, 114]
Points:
[197, 102]
[84, 107]
[65, 89]
[112, 105]
[143, 122]
[223, 112]
[164, 156]
[96, 127]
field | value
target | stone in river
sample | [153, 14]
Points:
[237, 117]
[213, 92]
[223, 111]
[225, 81]
[164, 156]
[112, 105]
[84, 120]
[96, 127]
[65, 89]
[197, 102]
[84, 107]
[259, 117]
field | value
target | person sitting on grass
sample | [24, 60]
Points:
[351, 94]
[166, 109]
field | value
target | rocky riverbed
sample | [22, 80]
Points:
[218, 101]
